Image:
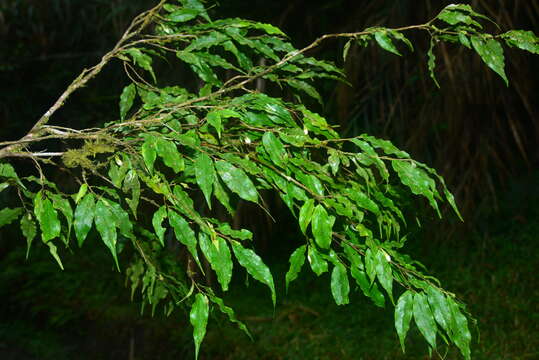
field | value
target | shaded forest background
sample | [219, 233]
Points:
[479, 134]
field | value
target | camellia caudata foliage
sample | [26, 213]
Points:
[168, 174]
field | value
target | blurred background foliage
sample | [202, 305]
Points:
[478, 133]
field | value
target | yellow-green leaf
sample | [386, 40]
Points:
[199, 319]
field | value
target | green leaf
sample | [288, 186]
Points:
[53, 251]
[82, 191]
[8, 215]
[432, 62]
[460, 334]
[334, 161]
[168, 151]
[237, 180]
[242, 234]
[218, 255]
[62, 204]
[214, 119]
[440, 308]
[318, 264]
[222, 195]
[306, 88]
[199, 319]
[254, 266]
[491, 52]
[457, 17]
[305, 215]
[230, 313]
[424, 319]
[275, 149]
[382, 38]
[28, 229]
[368, 290]
[340, 288]
[149, 151]
[106, 227]
[383, 271]
[417, 180]
[47, 217]
[157, 219]
[84, 217]
[297, 259]
[322, 225]
[126, 99]
[524, 40]
[370, 264]
[403, 315]
[182, 15]
[144, 61]
[205, 175]
[184, 234]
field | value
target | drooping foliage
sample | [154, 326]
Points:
[169, 174]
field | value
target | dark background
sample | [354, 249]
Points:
[478, 133]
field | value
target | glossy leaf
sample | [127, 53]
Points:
[385, 42]
[168, 151]
[149, 152]
[297, 259]
[322, 226]
[491, 52]
[218, 255]
[440, 307]
[403, 315]
[254, 266]
[205, 175]
[199, 319]
[47, 217]
[460, 334]
[318, 264]
[275, 149]
[340, 287]
[230, 314]
[54, 252]
[424, 319]
[524, 40]
[84, 217]
[383, 271]
[305, 215]
[106, 227]
[237, 180]
[184, 234]
[432, 62]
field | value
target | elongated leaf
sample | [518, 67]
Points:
[322, 225]
[318, 264]
[368, 289]
[218, 255]
[106, 227]
[385, 42]
[168, 151]
[305, 214]
[440, 308]
[182, 15]
[142, 60]
[62, 204]
[254, 266]
[184, 234]
[230, 313]
[432, 63]
[157, 220]
[47, 217]
[80, 194]
[8, 215]
[126, 99]
[297, 259]
[417, 180]
[370, 264]
[199, 319]
[403, 315]
[306, 88]
[237, 180]
[149, 151]
[54, 252]
[84, 217]
[275, 148]
[460, 334]
[340, 288]
[424, 319]
[28, 229]
[205, 175]
[491, 52]
[524, 40]
[383, 272]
